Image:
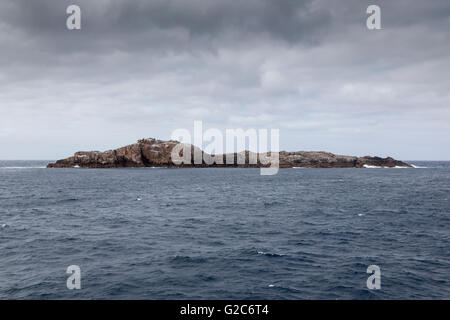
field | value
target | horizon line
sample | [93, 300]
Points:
[59, 159]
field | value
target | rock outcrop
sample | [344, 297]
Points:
[157, 153]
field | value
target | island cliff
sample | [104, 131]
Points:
[157, 153]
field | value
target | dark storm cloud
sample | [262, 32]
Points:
[285, 20]
[144, 68]
[289, 20]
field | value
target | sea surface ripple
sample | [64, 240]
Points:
[224, 233]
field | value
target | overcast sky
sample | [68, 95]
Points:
[143, 68]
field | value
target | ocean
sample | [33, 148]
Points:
[224, 233]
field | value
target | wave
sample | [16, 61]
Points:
[418, 167]
[371, 167]
[379, 167]
[188, 259]
[68, 200]
[268, 254]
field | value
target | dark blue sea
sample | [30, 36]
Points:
[224, 233]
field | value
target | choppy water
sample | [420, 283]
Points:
[224, 233]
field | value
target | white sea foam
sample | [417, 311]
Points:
[418, 167]
[377, 167]
[371, 167]
[270, 254]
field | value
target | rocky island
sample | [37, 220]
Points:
[157, 153]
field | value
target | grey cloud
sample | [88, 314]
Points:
[289, 20]
[144, 68]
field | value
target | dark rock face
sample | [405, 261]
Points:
[144, 153]
[157, 153]
[314, 159]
